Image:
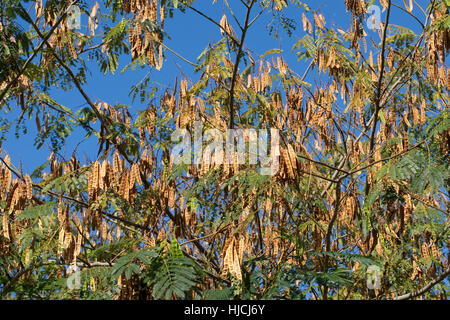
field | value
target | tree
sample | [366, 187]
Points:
[361, 192]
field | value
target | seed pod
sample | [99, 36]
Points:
[5, 225]
[435, 251]
[6, 181]
[287, 163]
[415, 115]
[423, 116]
[96, 175]
[126, 5]
[292, 157]
[29, 187]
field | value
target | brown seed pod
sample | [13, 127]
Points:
[29, 187]
[126, 6]
[232, 259]
[102, 174]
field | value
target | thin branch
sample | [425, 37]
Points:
[245, 4]
[236, 65]
[426, 288]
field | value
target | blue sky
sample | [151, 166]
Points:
[189, 35]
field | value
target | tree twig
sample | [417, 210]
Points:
[379, 88]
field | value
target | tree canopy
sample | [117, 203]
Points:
[355, 205]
